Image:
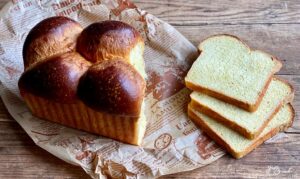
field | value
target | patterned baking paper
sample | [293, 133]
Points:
[172, 143]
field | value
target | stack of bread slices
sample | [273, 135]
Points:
[236, 98]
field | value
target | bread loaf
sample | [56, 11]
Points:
[90, 79]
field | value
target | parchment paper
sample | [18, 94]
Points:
[172, 142]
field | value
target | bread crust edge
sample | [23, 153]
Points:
[234, 126]
[259, 141]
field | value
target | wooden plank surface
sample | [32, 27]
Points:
[206, 12]
[272, 26]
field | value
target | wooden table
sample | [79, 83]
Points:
[272, 26]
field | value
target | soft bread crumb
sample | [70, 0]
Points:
[227, 66]
[137, 60]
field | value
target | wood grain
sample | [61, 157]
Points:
[3, 113]
[206, 12]
[21, 158]
[272, 26]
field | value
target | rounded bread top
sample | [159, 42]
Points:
[108, 40]
[113, 86]
[55, 78]
[52, 36]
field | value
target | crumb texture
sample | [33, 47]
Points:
[227, 66]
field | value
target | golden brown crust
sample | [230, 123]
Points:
[229, 35]
[220, 96]
[202, 125]
[292, 118]
[234, 126]
[220, 141]
[50, 37]
[107, 40]
[228, 99]
[55, 78]
[230, 124]
[270, 134]
[79, 116]
[113, 86]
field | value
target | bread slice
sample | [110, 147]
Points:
[229, 70]
[248, 124]
[235, 144]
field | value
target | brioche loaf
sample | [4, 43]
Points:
[235, 144]
[90, 79]
[229, 70]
